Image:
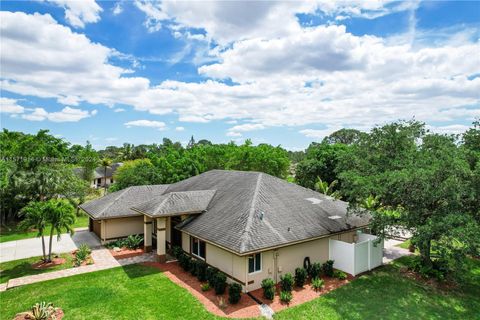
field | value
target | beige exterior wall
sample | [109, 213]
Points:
[121, 227]
[291, 257]
[226, 261]
[185, 242]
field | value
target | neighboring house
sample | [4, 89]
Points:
[249, 225]
[100, 179]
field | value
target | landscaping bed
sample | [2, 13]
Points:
[301, 295]
[123, 253]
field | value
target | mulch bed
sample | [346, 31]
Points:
[245, 308]
[301, 295]
[126, 253]
[45, 265]
[24, 315]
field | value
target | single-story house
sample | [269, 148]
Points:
[249, 225]
[100, 177]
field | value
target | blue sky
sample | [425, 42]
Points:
[285, 73]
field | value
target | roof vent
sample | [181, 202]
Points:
[314, 200]
[335, 217]
[261, 215]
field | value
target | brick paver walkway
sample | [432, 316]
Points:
[102, 260]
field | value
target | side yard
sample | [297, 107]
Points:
[139, 291]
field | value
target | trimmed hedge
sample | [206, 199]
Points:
[286, 282]
[234, 293]
[316, 270]
[268, 286]
[327, 268]
[300, 277]
[220, 283]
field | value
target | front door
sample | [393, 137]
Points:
[176, 234]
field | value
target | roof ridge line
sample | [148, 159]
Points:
[116, 199]
[251, 212]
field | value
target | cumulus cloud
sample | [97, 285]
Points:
[179, 129]
[301, 76]
[146, 123]
[118, 110]
[67, 114]
[8, 105]
[79, 13]
[117, 9]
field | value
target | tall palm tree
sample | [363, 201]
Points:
[327, 189]
[61, 216]
[35, 218]
[106, 163]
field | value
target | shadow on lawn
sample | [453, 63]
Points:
[134, 271]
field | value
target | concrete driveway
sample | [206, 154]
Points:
[26, 248]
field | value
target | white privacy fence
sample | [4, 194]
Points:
[355, 258]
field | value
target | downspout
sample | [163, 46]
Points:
[275, 266]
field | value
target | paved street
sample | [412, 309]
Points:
[26, 248]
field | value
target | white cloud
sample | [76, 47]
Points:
[233, 134]
[117, 9]
[449, 129]
[247, 127]
[302, 76]
[8, 105]
[80, 12]
[146, 123]
[179, 129]
[119, 110]
[67, 114]
[319, 134]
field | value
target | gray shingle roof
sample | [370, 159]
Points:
[176, 203]
[118, 204]
[99, 172]
[252, 211]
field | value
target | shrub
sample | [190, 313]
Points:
[42, 311]
[268, 286]
[300, 277]
[133, 241]
[82, 254]
[220, 283]
[234, 293]
[210, 275]
[286, 282]
[315, 270]
[286, 296]
[317, 284]
[177, 251]
[201, 271]
[119, 243]
[205, 287]
[185, 262]
[194, 267]
[339, 274]
[327, 268]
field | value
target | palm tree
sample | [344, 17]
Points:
[106, 163]
[61, 216]
[327, 189]
[35, 218]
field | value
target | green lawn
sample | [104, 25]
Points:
[131, 292]
[140, 292]
[12, 233]
[385, 294]
[23, 267]
[404, 245]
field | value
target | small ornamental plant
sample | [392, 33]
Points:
[339, 275]
[234, 293]
[300, 277]
[205, 287]
[327, 268]
[317, 284]
[268, 286]
[286, 282]
[286, 296]
[316, 270]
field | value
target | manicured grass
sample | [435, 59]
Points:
[131, 292]
[384, 294]
[404, 245]
[23, 267]
[12, 233]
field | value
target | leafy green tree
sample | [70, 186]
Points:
[89, 161]
[35, 217]
[421, 182]
[61, 217]
[327, 189]
[344, 136]
[135, 173]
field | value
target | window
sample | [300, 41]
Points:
[255, 263]
[198, 248]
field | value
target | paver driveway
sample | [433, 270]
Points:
[26, 248]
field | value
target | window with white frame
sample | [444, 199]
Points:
[255, 263]
[198, 248]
